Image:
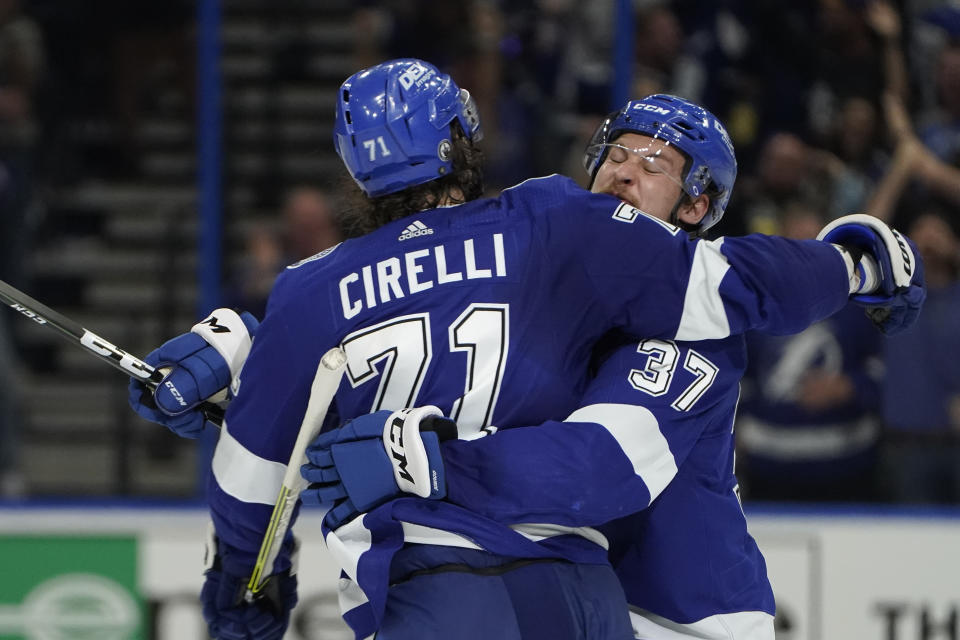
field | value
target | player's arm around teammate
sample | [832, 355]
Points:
[734, 297]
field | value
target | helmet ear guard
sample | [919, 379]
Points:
[470, 116]
[690, 128]
[392, 125]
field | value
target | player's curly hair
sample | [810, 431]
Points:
[363, 214]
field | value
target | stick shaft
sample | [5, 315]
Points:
[94, 344]
[325, 384]
[103, 349]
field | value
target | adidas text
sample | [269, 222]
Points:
[414, 230]
[406, 235]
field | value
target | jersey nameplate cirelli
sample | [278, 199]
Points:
[396, 278]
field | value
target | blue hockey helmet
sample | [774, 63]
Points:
[688, 127]
[392, 127]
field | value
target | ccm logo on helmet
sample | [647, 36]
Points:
[416, 73]
[643, 106]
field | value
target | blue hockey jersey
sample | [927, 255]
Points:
[688, 556]
[651, 450]
[490, 311]
[787, 440]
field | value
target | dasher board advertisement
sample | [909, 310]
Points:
[870, 574]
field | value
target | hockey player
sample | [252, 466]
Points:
[654, 433]
[488, 310]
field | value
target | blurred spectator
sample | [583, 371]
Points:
[438, 32]
[940, 128]
[847, 56]
[21, 69]
[913, 164]
[855, 161]
[845, 163]
[309, 223]
[532, 131]
[662, 63]
[761, 84]
[586, 74]
[307, 227]
[921, 390]
[788, 173]
[149, 41]
[910, 161]
[885, 21]
[933, 25]
[808, 425]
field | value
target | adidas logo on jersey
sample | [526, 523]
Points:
[414, 230]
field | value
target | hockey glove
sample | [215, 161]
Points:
[200, 366]
[896, 301]
[374, 458]
[228, 614]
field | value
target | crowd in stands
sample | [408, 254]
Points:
[22, 64]
[834, 107]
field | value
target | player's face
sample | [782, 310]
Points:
[643, 172]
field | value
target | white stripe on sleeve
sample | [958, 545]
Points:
[348, 543]
[350, 595]
[245, 475]
[704, 317]
[637, 432]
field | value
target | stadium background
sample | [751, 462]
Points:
[162, 159]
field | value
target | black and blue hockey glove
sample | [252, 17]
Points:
[895, 303]
[374, 458]
[229, 615]
[199, 366]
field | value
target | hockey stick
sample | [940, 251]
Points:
[104, 350]
[325, 384]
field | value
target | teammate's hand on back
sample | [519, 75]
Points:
[228, 614]
[374, 458]
[199, 366]
[895, 302]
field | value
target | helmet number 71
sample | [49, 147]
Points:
[371, 146]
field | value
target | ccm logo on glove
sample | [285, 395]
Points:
[905, 252]
[175, 393]
[396, 448]
[411, 438]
